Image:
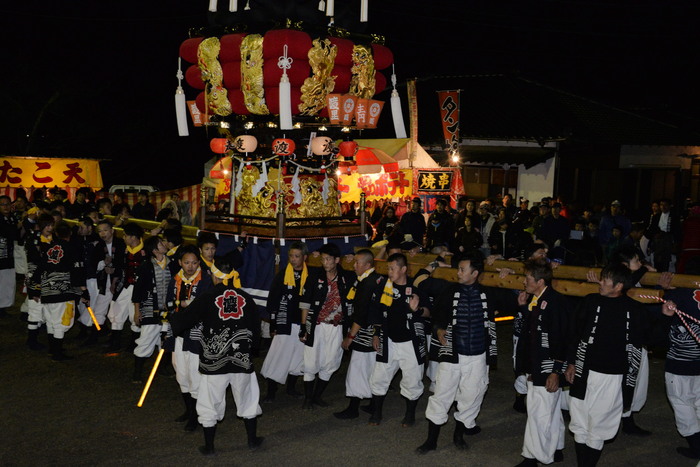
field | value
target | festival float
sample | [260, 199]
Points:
[282, 90]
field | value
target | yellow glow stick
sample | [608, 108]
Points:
[150, 378]
[94, 320]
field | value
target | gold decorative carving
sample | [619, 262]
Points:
[213, 75]
[252, 74]
[362, 83]
[316, 88]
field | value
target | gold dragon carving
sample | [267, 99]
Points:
[320, 83]
[362, 83]
[207, 59]
[252, 74]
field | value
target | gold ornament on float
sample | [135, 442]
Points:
[252, 74]
[316, 88]
[216, 94]
[362, 83]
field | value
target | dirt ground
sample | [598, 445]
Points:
[83, 412]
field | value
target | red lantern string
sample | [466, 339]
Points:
[682, 315]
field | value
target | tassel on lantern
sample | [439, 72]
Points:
[239, 180]
[285, 92]
[212, 6]
[233, 6]
[180, 103]
[296, 189]
[364, 6]
[396, 114]
[326, 188]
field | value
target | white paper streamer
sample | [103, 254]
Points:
[296, 189]
[239, 180]
[325, 189]
[212, 6]
[233, 6]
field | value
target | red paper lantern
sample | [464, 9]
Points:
[272, 74]
[344, 46]
[232, 74]
[343, 75]
[322, 146]
[200, 101]
[188, 49]
[235, 96]
[230, 48]
[383, 57]
[348, 149]
[298, 44]
[218, 145]
[283, 147]
[193, 76]
[245, 143]
[379, 82]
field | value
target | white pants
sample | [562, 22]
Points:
[35, 314]
[121, 309]
[400, 355]
[683, 393]
[359, 373]
[20, 255]
[432, 367]
[465, 382]
[564, 399]
[211, 403]
[148, 340]
[520, 383]
[640, 390]
[326, 354]
[285, 357]
[98, 303]
[596, 418]
[544, 429]
[58, 317]
[186, 366]
[8, 284]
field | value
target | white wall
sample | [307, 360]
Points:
[536, 182]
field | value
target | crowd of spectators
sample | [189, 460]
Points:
[665, 238]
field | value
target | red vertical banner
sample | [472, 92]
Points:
[347, 108]
[449, 113]
[333, 101]
[373, 112]
[361, 113]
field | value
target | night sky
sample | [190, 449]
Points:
[96, 79]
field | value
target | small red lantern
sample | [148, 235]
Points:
[219, 145]
[283, 147]
[348, 149]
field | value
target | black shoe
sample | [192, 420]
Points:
[308, 395]
[208, 448]
[431, 443]
[57, 355]
[458, 436]
[206, 451]
[631, 428]
[527, 462]
[192, 423]
[291, 387]
[186, 414]
[33, 340]
[409, 418]
[318, 392]
[351, 412]
[475, 430]
[378, 403]
[369, 408]
[519, 404]
[687, 452]
[559, 455]
[139, 362]
[251, 427]
[271, 391]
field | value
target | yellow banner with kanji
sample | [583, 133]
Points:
[375, 186]
[47, 171]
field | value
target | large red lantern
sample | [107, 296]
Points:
[283, 147]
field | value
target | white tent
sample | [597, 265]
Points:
[400, 149]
